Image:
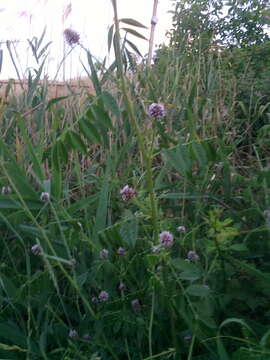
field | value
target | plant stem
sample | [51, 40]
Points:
[130, 110]
[151, 324]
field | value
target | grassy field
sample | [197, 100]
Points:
[135, 218]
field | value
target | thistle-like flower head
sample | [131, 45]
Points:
[71, 37]
[166, 239]
[127, 193]
[156, 110]
[103, 296]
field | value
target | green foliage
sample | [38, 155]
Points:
[200, 172]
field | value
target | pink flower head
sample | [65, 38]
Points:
[166, 239]
[71, 37]
[181, 229]
[136, 305]
[103, 296]
[156, 110]
[127, 193]
[121, 251]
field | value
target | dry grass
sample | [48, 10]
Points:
[55, 88]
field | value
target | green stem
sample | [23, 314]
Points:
[151, 324]
[146, 157]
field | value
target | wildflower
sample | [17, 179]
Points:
[122, 286]
[156, 110]
[192, 256]
[71, 37]
[73, 263]
[73, 334]
[104, 254]
[136, 306]
[87, 337]
[156, 249]
[166, 239]
[121, 251]
[181, 229]
[45, 196]
[127, 193]
[36, 249]
[6, 190]
[94, 300]
[103, 296]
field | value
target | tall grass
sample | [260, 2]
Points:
[179, 266]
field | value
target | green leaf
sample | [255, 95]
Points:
[89, 131]
[75, 141]
[198, 290]
[56, 100]
[129, 232]
[132, 22]
[101, 214]
[135, 33]
[110, 37]
[111, 104]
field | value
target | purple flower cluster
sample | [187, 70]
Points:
[71, 37]
[121, 251]
[6, 190]
[166, 239]
[103, 296]
[36, 249]
[192, 256]
[104, 254]
[45, 196]
[127, 193]
[156, 110]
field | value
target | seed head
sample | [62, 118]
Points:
[156, 110]
[127, 193]
[71, 37]
[45, 196]
[104, 254]
[166, 239]
[6, 190]
[36, 249]
[103, 296]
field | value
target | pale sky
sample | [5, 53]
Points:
[21, 20]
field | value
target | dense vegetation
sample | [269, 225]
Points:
[135, 222]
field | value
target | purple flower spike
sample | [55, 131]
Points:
[166, 239]
[127, 193]
[156, 110]
[103, 296]
[71, 37]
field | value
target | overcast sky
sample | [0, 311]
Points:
[21, 20]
